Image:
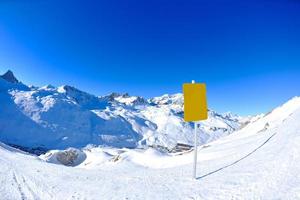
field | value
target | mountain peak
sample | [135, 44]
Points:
[10, 77]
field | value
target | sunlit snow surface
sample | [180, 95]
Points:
[261, 161]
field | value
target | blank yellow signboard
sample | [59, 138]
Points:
[195, 104]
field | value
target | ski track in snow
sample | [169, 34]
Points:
[23, 197]
[24, 189]
[235, 162]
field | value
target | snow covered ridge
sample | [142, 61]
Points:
[60, 117]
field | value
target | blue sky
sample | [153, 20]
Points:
[247, 52]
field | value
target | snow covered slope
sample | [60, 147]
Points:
[260, 161]
[57, 118]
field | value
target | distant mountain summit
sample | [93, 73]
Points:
[61, 117]
[10, 77]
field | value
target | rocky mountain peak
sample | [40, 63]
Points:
[10, 77]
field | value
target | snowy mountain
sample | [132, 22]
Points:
[260, 161]
[9, 77]
[59, 117]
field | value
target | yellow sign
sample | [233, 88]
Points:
[195, 104]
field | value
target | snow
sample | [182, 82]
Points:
[248, 164]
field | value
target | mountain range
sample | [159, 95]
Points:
[51, 117]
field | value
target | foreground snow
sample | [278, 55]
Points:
[261, 161]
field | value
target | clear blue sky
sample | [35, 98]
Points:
[248, 52]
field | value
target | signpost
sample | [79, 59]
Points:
[195, 109]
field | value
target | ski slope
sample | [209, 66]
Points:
[261, 161]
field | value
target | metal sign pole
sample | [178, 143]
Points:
[195, 146]
[195, 150]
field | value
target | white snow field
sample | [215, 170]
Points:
[260, 161]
